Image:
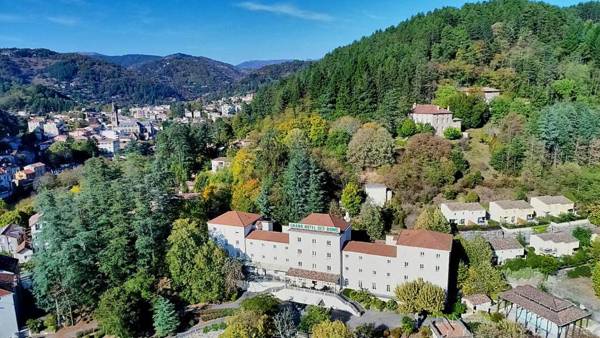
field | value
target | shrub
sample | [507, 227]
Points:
[214, 327]
[580, 271]
[391, 305]
[407, 325]
[452, 133]
[425, 332]
[263, 304]
[378, 304]
[208, 315]
[51, 323]
[471, 197]
[35, 325]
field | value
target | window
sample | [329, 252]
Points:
[314, 266]
[214, 228]
[437, 255]
[328, 267]
[263, 256]
[329, 255]
[359, 257]
[360, 284]
[314, 241]
[374, 272]
[389, 261]
[359, 270]
[299, 263]
[274, 246]
[237, 242]
[346, 256]
[275, 258]
[251, 255]
[405, 264]
[421, 266]
[422, 254]
[346, 268]
[405, 277]
[387, 288]
[299, 251]
[437, 268]
[314, 253]
[251, 243]
[299, 239]
[328, 243]
[262, 244]
[388, 274]
[286, 247]
[374, 286]
[287, 259]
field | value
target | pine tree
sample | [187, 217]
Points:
[165, 318]
[263, 202]
[316, 195]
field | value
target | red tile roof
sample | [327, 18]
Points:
[270, 236]
[235, 218]
[376, 249]
[429, 109]
[327, 220]
[4, 292]
[425, 239]
[313, 275]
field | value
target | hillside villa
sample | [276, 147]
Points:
[439, 118]
[554, 243]
[463, 213]
[552, 205]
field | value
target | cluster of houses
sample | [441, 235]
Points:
[11, 176]
[507, 211]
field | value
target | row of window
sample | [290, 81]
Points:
[422, 254]
[421, 266]
[388, 288]
[314, 266]
[314, 241]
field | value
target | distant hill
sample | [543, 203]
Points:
[127, 60]
[268, 74]
[193, 76]
[43, 80]
[256, 64]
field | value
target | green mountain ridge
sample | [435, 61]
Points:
[517, 46]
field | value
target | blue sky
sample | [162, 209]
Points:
[231, 31]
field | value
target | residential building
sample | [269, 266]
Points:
[13, 240]
[506, 248]
[554, 243]
[230, 229]
[413, 254]
[439, 118]
[542, 313]
[38, 168]
[463, 213]
[9, 301]
[109, 146]
[317, 252]
[219, 163]
[6, 187]
[511, 212]
[378, 193]
[477, 302]
[551, 205]
[446, 328]
[488, 93]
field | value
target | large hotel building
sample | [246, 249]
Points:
[317, 252]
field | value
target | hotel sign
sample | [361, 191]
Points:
[311, 227]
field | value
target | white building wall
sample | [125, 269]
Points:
[511, 216]
[463, 216]
[430, 264]
[230, 238]
[317, 251]
[542, 209]
[551, 248]
[503, 255]
[376, 274]
[273, 257]
[8, 317]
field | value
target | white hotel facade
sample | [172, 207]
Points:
[317, 252]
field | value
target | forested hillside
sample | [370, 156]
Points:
[41, 80]
[520, 47]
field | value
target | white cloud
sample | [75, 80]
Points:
[286, 9]
[63, 20]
